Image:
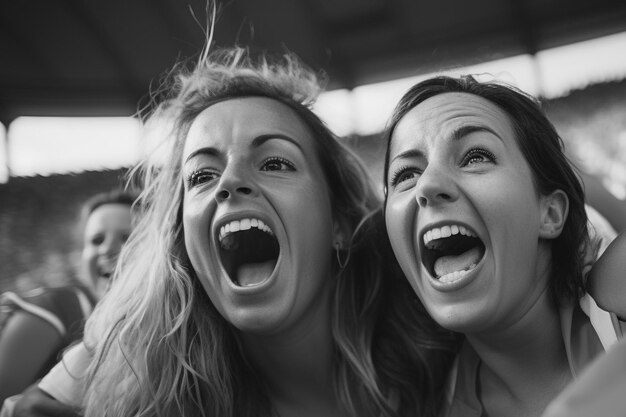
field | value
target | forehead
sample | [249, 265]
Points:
[243, 119]
[440, 115]
[109, 215]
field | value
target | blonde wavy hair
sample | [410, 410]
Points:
[166, 351]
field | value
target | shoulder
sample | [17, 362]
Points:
[607, 279]
[30, 308]
[23, 328]
[28, 345]
[45, 297]
[60, 307]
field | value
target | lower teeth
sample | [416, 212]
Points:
[456, 275]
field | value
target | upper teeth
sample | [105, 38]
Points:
[446, 231]
[243, 224]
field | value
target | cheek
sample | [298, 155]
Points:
[89, 261]
[510, 211]
[195, 222]
[509, 197]
[194, 246]
[195, 232]
[400, 221]
[89, 254]
[306, 205]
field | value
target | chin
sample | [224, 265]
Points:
[254, 322]
[460, 325]
[101, 287]
[458, 319]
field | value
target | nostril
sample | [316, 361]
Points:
[223, 194]
[422, 201]
[244, 190]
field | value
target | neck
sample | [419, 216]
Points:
[523, 365]
[533, 344]
[297, 364]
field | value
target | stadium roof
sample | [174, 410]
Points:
[95, 57]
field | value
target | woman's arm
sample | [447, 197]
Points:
[26, 344]
[59, 394]
[34, 402]
[66, 381]
[607, 279]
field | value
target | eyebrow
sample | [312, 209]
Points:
[260, 140]
[463, 131]
[208, 151]
[456, 136]
[256, 142]
[411, 153]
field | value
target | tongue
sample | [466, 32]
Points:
[254, 273]
[448, 264]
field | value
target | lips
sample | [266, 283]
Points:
[105, 269]
[248, 251]
[449, 252]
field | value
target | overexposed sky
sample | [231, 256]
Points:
[4, 169]
[553, 73]
[45, 145]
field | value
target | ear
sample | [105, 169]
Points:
[554, 209]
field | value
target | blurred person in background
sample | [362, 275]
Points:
[38, 325]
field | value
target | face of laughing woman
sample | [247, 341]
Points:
[463, 214]
[257, 215]
[106, 230]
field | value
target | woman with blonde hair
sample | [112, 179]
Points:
[259, 280]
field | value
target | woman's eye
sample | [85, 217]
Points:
[477, 156]
[404, 174]
[97, 240]
[277, 164]
[201, 176]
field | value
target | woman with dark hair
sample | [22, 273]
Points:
[487, 220]
[40, 324]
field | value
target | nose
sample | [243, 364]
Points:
[224, 194]
[436, 186]
[111, 246]
[233, 182]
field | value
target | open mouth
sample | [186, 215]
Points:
[248, 250]
[450, 252]
[105, 271]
